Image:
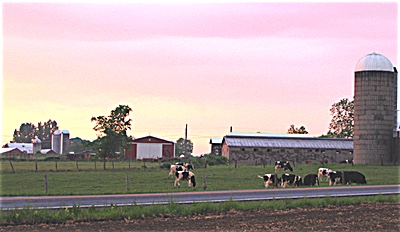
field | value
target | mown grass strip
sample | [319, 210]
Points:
[113, 212]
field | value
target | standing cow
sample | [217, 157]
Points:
[354, 177]
[291, 179]
[185, 175]
[335, 177]
[283, 164]
[311, 180]
[270, 179]
[324, 172]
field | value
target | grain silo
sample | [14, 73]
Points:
[37, 145]
[56, 141]
[60, 142]
[375, 104]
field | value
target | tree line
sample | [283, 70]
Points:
[113, 139]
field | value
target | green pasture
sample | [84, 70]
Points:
[86, 177]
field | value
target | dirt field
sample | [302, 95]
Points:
[357, 217]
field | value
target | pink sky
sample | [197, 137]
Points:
[258, 67]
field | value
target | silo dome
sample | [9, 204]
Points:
[374, 62]
[36, 140]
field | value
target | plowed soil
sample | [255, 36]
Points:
[356, 217]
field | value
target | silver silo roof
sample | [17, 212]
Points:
[374, 62]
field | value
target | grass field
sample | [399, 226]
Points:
[83, 178]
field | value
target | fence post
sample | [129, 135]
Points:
[12, 167]
[129, 164]
[95, 167]
[112, 163]
[36, 165]
[204, 182]
[46, 188]
[127, 182]
[77, 166]
[56, 167]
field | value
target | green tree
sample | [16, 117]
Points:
[45, 131]
[113, 136]
[294, 130]
[342, 123]
[181, 149]
[25, 134]
[79, 145]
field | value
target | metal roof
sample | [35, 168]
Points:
[374, 62]
[294, 143]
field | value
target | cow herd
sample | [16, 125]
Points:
[182, 173]
[333, 177]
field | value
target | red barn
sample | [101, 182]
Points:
[150, 147]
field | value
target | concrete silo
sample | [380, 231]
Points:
[37, 145]
[56, 141]
[375, 105]
[60, 142]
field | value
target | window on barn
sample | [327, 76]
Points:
[255, 149]
[316, 150]
[242, 149]
[337, 152]
[283, 150]
[309, 150]
[296, 150]
[268, 150]
[350, 152]
[323, 151]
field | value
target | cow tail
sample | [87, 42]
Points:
[193, 180]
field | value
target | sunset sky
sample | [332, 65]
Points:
[258, 67]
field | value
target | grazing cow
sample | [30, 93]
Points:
[291, 179]
[323, 172]
[175, 168]
[311, 180]
[347, 162]
[270, 179]
[354, 177]
[283, 164]
[185, 175]
[335, 177]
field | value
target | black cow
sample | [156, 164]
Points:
[291, 179]
[185, 175]
[354, 177]
[311, 180]
[283, 164]
[270, 179]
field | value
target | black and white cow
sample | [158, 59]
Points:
[311, 180]
[324, 172]
[270, 179]
[335, 177]
[175, 168]
[283, 164]
[179, 167]
[185, 175]
[347, 162]
[354, 177]
[291, 179]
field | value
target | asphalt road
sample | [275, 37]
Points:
[7, 203]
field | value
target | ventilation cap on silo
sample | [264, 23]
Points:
[374, 62]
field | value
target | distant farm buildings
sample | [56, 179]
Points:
[60, 144]
[260, 148]
[150, 148]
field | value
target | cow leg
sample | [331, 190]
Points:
[189, 183]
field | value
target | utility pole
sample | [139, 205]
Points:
[184, 144]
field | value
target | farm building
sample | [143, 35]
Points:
[10, 150]
[259, 148]
[216, 146]
[150, 147]
[24, 147]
